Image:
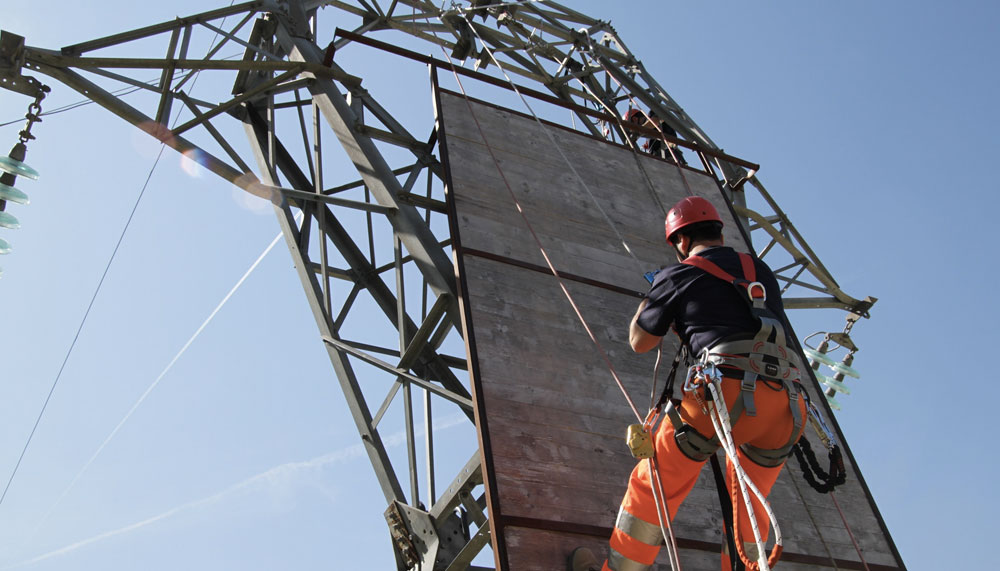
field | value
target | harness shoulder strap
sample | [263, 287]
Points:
[755, 290]
[749, 269]
[710, 267]
[756, 296]
[746, 263]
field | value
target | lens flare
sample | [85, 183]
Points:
[191, 163]
[148, 138]
[251, 203]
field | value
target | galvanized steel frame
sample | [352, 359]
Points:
[581, 61]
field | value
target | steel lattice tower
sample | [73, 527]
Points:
[298, 107]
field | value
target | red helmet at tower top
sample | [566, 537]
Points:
[688, 211]
[635, 116]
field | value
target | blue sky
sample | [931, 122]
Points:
[874, 124]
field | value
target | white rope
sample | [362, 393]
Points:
[655, 485]
[719, 415]
[663, 514]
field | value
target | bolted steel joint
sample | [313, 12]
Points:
[12, 60]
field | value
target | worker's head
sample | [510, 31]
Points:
[635, 116]
[692, 221]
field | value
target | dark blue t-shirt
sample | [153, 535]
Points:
[703, 308]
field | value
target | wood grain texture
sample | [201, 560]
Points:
[555, 419]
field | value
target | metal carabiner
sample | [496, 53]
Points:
[700, 374]
[693, 379]
[824, 432]
[652, 417]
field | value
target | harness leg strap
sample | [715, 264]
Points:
[772, 458]
[747, 387]
[692, 443]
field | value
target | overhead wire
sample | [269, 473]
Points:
[93, 298]
[79, 328]
[71, 106]
[162, 374]
[118, 93]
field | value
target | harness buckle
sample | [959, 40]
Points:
[756, 291]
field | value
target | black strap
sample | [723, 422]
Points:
[727, 514]
[668, 388]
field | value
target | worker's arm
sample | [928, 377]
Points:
[640, 339]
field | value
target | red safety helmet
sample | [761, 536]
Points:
[690, 210]
[635, 116]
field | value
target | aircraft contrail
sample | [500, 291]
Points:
[276, 475]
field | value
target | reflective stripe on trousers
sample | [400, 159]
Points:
[769, 429]
[639, 539]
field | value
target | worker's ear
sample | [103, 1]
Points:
[683, 246]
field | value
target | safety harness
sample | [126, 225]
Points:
[765, 356]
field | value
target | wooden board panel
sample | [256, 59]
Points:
[550, 415]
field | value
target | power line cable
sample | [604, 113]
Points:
[71, 106]
[79, 329]
[97, 290]
[159, 378]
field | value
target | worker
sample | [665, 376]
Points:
[656, 146]
[737, 323]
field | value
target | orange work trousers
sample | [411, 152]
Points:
[637, 538]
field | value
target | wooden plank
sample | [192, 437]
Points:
[554, 417]
[560, 208]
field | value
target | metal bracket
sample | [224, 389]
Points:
[414, 534]
[407, 545]
[434, 543]
[440, 539]
[12, 60]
